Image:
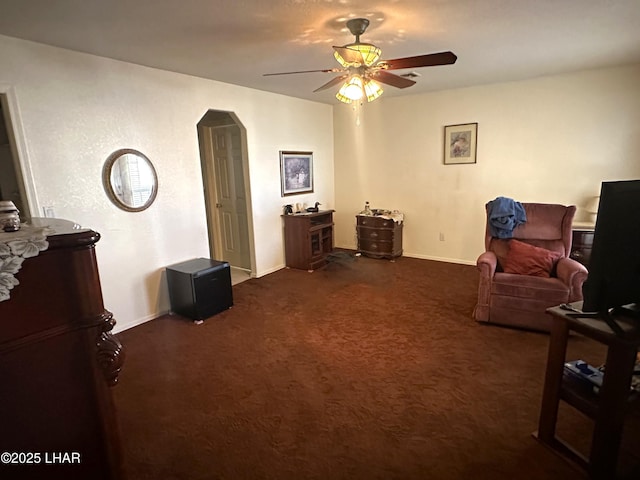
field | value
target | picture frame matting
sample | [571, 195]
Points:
[296, 172]
[460, 143]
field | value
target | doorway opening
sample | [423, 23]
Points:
[12, 185]
[225, 177]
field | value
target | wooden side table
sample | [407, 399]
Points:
[582, 242]
[608, 408]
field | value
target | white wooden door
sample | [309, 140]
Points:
[230, 196]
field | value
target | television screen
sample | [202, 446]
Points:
[614, 268]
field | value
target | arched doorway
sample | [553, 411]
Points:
[223, 158]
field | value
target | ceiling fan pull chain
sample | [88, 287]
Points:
[356, 108]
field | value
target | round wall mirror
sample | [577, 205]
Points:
[130, 180]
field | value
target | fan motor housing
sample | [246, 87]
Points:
[357, 26]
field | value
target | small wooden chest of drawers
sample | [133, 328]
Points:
[379, 237]
[581, 244]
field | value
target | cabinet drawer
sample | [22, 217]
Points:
[375, 246]
[377, 222]
[365, 233]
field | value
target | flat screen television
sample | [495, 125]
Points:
[613, 283]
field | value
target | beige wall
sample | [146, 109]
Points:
[551, 139]
[73, 110]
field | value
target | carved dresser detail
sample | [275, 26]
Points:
[58, 361]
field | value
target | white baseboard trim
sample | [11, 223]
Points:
[424, 257]
[121, 327]
[439, 259]
[271, 270]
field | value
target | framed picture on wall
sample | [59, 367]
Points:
[296, 172]
[460, 143]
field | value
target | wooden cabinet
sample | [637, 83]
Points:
[308, 239]
[581, 244]
[58, 361]
[379, 237]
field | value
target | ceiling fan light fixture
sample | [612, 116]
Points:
[370, 54]
[372, 90]
[351, 90]
[360, 63]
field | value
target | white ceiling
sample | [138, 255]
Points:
[237, 41]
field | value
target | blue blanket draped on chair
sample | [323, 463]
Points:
[504, 215]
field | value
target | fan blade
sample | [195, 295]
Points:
[331, 83]
[429, 60]
[392, 79]
[350, 55]
[326, 70]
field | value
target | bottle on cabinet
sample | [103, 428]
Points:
[367, 209]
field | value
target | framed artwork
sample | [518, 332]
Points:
[460, 143]
[296, 172]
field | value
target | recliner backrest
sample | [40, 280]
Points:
[548, 226]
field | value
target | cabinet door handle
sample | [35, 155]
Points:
[374, 235]
[218, 205]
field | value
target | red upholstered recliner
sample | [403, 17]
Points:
[519, 300]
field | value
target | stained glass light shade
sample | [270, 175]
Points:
[351, 90]
[372, 90]
[369, 53]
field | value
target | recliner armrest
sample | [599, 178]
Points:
[486, 263]
[573, 274]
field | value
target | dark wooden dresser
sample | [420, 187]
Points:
[378, 236]
[581, 243]
[58, 362]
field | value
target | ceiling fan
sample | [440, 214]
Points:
[362, 72]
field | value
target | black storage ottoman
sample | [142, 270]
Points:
[199, 288]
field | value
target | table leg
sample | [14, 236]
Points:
[609, 421]
[553, 381]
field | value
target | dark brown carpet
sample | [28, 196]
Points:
[367, 369]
